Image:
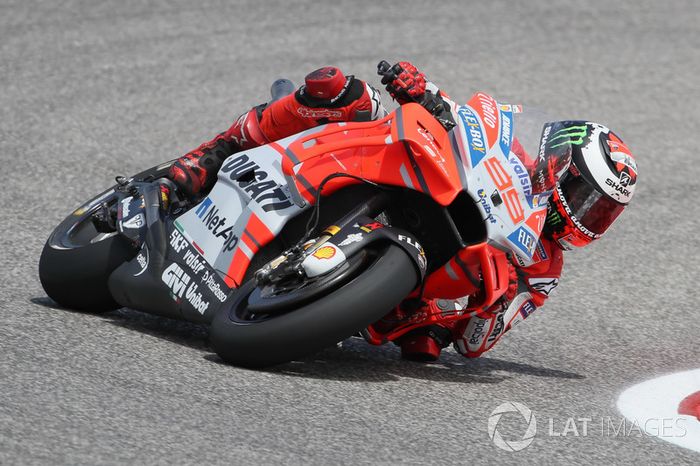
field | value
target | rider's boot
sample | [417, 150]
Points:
[327, 96]
[195, 172]
[425, 343]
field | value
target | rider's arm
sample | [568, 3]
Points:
[476, 335]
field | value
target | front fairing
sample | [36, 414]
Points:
[511, 167]
[506, 159]
[408, 149]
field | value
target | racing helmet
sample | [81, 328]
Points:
[596, 188]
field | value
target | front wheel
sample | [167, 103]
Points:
[251, 340]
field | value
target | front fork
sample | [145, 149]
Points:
[356, 231]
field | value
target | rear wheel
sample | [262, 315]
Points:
[357, 294]
[77, 259]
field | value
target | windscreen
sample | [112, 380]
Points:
[543, 145]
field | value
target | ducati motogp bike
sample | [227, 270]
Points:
[314, 238]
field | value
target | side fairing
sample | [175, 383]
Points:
[248, 206]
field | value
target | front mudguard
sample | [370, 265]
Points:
[358, 234]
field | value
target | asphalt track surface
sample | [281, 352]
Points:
[90, 90]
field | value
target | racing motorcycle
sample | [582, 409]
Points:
[314, 238]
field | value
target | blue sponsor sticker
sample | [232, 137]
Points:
[541, 251]
[475, 136]
[539, 199]
[527, 308]
[522, 174]
[524, 240]
[505, 138]
[203, 207]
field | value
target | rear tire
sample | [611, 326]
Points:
[367, 297]
[77, 278]
[74, 273]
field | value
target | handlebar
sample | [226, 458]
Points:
[384, 70]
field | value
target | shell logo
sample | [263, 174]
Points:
[324, 252]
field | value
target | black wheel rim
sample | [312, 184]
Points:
[255, 305]
[78, 230]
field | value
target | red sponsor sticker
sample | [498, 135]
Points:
[487, 108]
[371, 227]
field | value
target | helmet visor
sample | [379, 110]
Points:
[594, 210]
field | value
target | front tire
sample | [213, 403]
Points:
[367, 297]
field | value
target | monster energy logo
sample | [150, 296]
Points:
[572, 134]
[553, 218]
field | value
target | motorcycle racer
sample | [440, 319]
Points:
[327, 96]
[590, 193]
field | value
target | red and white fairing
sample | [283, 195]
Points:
[256, 195]
[242, 214]
[498, 178]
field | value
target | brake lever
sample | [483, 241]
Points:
[384, 69]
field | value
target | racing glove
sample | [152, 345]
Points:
[405, 83]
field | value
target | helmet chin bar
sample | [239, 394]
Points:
[571, 216]
[569, 233]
